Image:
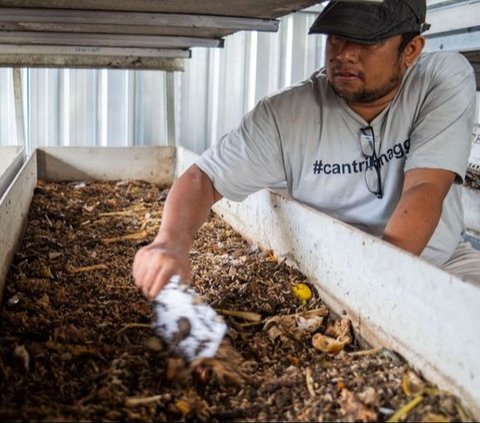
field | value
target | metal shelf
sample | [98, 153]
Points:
[138, 34]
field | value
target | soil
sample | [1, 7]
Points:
[77, 343]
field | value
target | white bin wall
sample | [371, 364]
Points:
[11, 160]
[152, 164]
[394, 299]
[418, 310]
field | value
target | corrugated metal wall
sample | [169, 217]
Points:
[122, 108]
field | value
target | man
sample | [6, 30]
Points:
[379, 139]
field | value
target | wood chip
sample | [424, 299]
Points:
[86, 269]
[128, 237]
[245, 315]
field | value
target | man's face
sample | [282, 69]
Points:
[363, 73]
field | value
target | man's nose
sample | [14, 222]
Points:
[346, 51]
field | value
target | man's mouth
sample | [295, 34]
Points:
[345, 75]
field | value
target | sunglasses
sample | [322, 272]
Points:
[373, 175]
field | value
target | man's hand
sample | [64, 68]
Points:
[156, 263]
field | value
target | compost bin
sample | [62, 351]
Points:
[392, 299]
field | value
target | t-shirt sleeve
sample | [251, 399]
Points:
[247, 159]
[441, 137]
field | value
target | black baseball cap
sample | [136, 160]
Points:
[371, 22]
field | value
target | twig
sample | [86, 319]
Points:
[128, 237]
[366, 352]
[280, 263]
[310, 382]
[88, 268]
[246, 315]
[48, 220]
[117, 214]
[405, 410]
[134, 402]
[126, 212]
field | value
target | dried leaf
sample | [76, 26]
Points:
[183, 407]
[369, 397]
[295, 325]
[270, 255]
[412, 384]
[196, 409]
[45, 272]
[52, 255]
[354, 409]
[274, 332]
[310, 324]
[328, 345]
[339, 329]
[153, 343]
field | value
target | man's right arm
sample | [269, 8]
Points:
[186, 209]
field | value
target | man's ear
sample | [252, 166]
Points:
[412, 50]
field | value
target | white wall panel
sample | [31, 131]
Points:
[81, 107]
[43, 106]
[120, 99]
[8, 131]
[194, 100]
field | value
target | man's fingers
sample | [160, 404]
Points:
[148, 280]
[153, 267]
[159, 281]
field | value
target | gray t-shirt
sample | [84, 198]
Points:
[307, 138]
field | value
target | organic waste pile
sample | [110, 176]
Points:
[76, 341]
